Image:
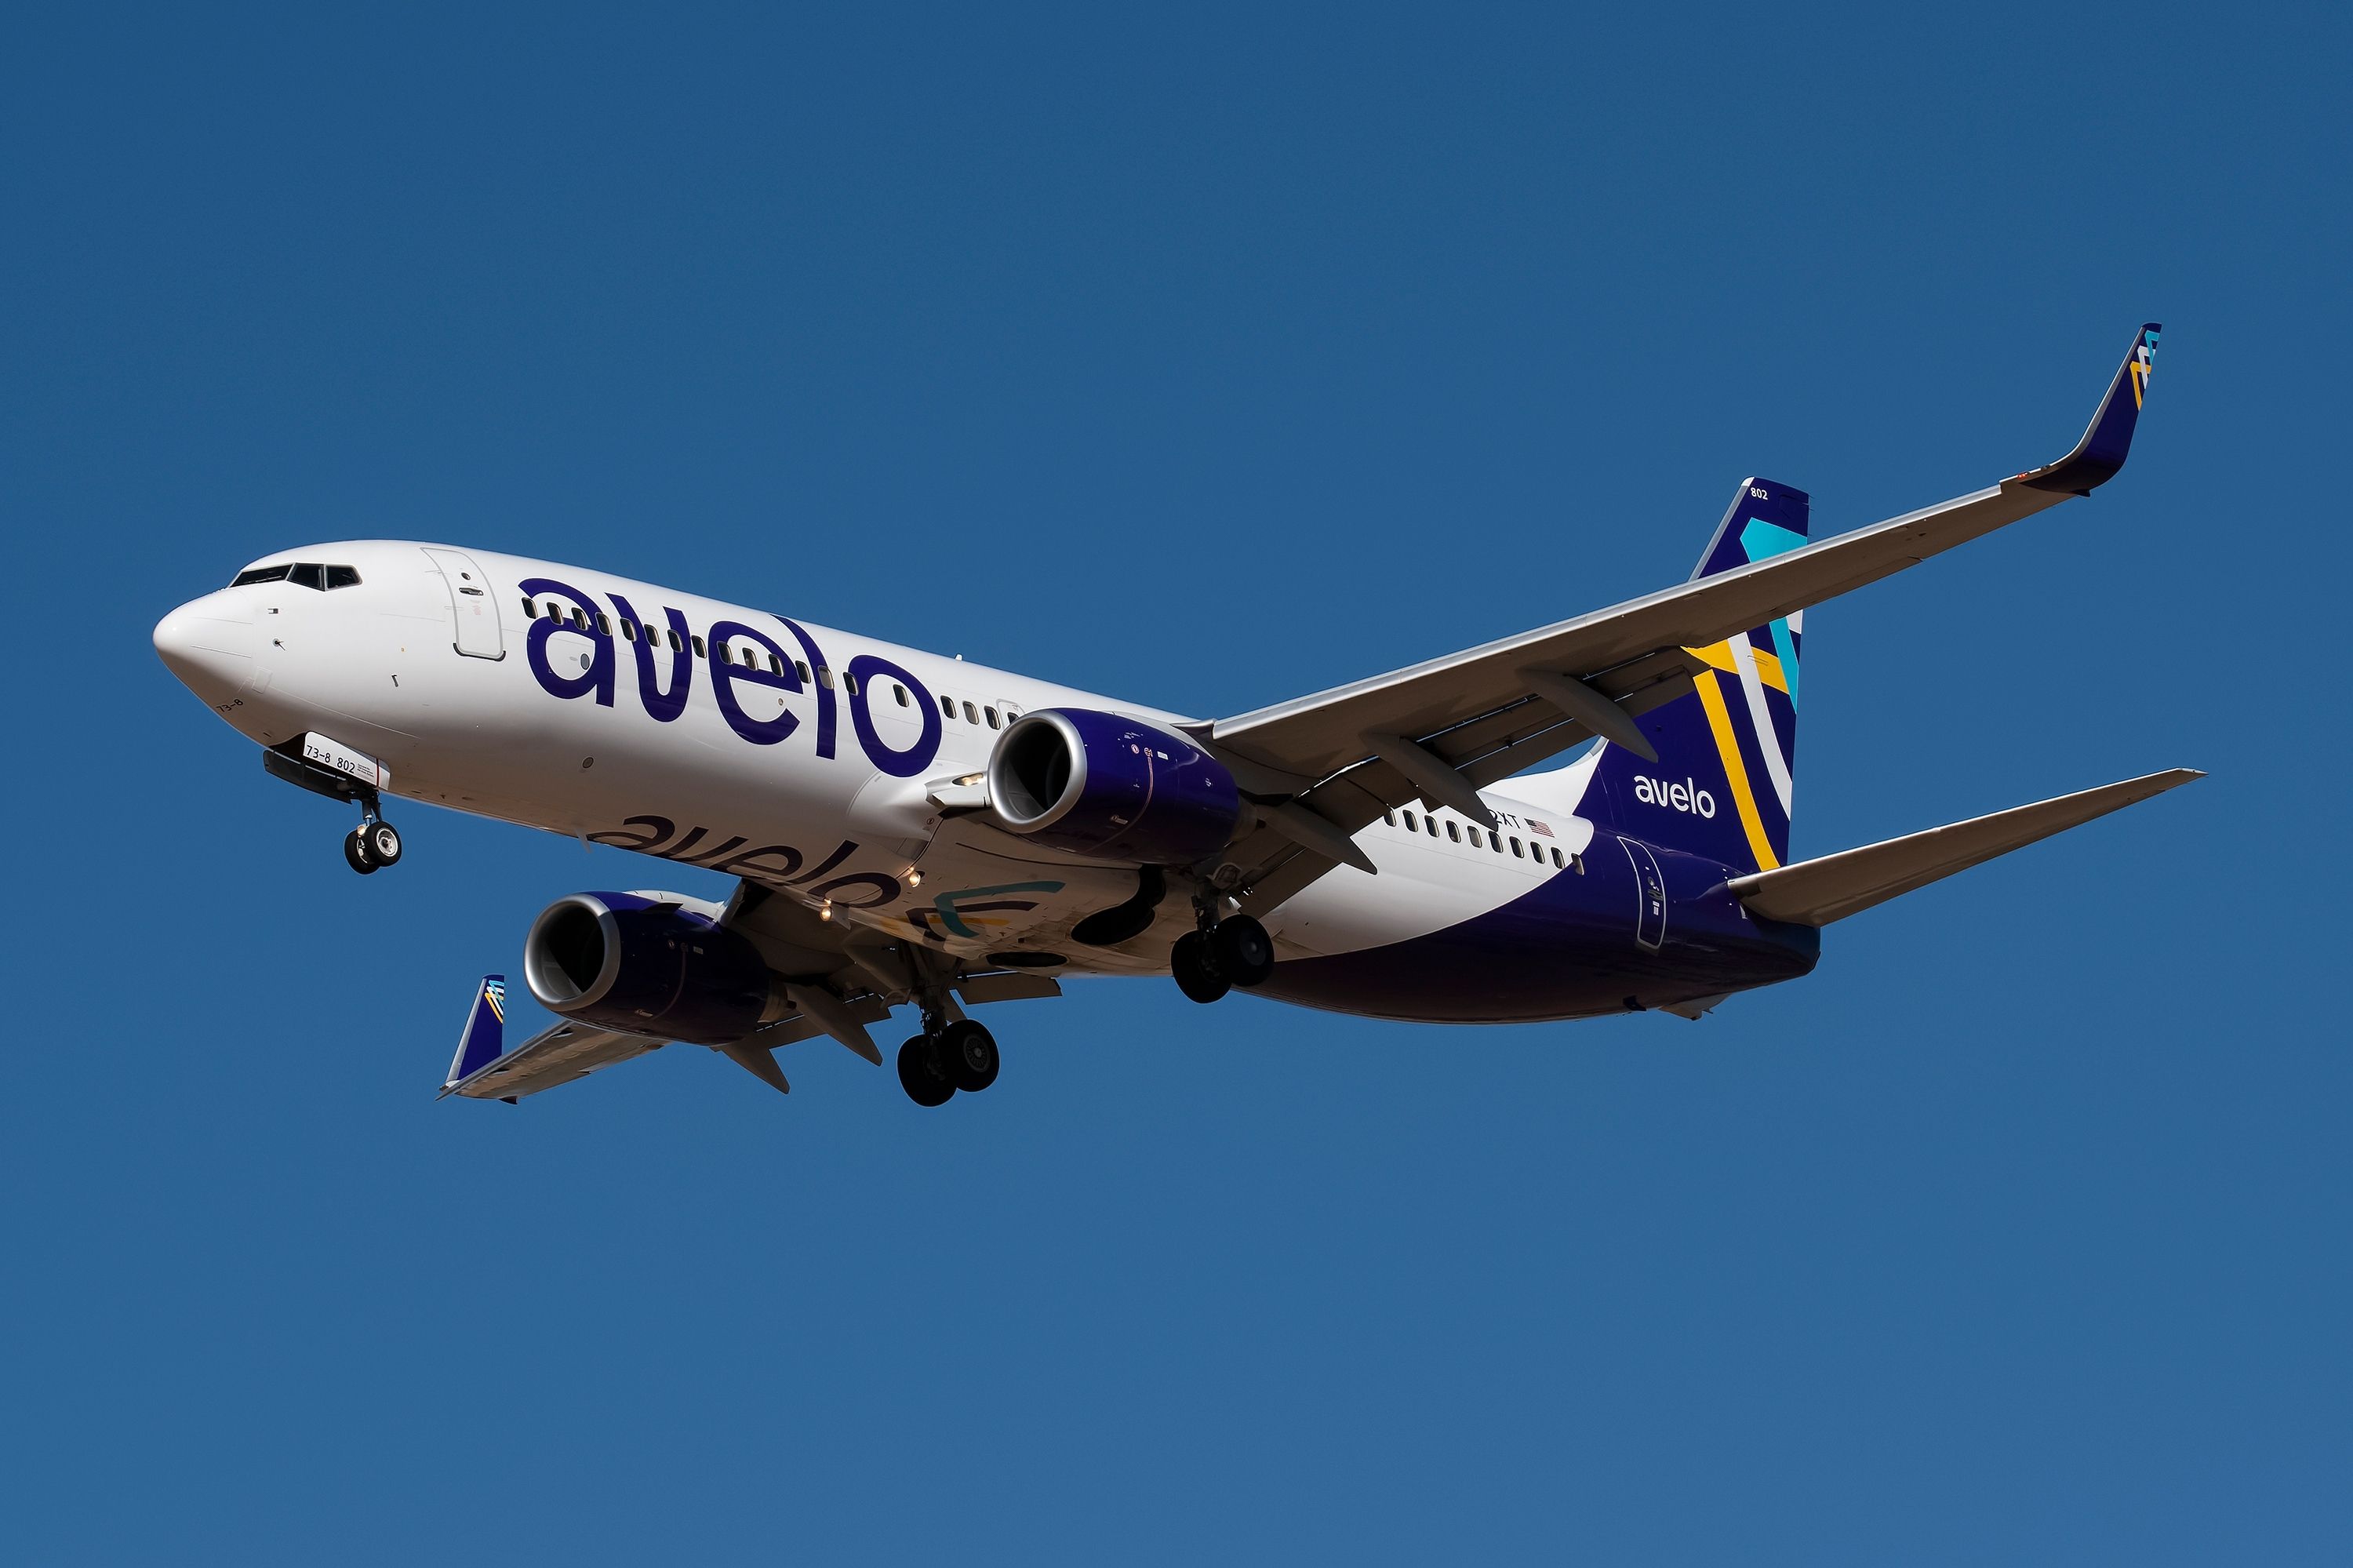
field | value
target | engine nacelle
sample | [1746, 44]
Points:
[1115, 789]
[647, 966]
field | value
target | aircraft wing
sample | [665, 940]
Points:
[838, 980]
[1439, 729]
[552, 1057]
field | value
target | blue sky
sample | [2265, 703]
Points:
[1210, 358]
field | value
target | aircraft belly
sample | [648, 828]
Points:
[1570, 947]
[974, 900]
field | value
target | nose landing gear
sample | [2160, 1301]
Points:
[304, 762]
[934, 1065]
[373, 844]
[1235, 952]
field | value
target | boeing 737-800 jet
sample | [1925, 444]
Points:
[908, 830]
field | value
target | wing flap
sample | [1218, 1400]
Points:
[1012, 985]
[1816, 891]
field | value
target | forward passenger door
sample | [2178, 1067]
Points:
[473, 606]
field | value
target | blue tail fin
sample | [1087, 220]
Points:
[485, 1035]
[1725, 783]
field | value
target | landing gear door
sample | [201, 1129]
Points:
[1650, 893]
[473, 604]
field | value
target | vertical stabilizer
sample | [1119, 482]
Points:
[1724, 784]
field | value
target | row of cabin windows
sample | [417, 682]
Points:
[1457, 831]
[982, 715]
[580, 620]
[309, 574]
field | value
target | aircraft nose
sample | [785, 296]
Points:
[210, 646]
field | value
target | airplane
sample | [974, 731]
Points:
[908, 830]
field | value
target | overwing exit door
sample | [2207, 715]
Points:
[472, 605]
[1650, 895]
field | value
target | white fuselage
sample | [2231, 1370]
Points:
[811, 760]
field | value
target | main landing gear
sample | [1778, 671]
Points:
[942, 1059]
[1235, 952]
[374, 843]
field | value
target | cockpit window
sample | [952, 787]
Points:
[310, 573]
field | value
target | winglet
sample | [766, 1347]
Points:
[485, 1034]
[2100, 453]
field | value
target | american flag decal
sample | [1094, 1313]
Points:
[1535, 826]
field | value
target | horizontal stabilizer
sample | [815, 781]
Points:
[1816, 891]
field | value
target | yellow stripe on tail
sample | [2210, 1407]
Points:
[1736, 771]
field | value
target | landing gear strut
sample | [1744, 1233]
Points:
[374, 843]
[1234, 952]
[937, 1063]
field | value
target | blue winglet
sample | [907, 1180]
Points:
[485, 1035]
[2100, 453]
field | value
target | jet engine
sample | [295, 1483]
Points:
[1114, 789]
[647, 964]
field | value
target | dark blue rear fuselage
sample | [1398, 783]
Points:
[1614, 938]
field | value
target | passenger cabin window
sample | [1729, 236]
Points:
[1556, 858]
[604, 624]
[1474, 836]
[1431, 824]
[674, 645]
[898, 692]
[529, 608]
[850, 683]
[825, 677]
[1452, 834]
[800, 668]
[698, 645]
[726, 654]
[971, 713]
[1410, 825]
[1516, 849]
[629, 631]
[947, 706]
[990, 714]
[580, 618]
[1389, 817]
[775, 665]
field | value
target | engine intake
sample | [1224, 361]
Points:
[1116, 788]
[645, 965]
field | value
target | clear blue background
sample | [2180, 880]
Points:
[1209, 357]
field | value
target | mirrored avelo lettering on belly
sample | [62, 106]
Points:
[565, 673]
[776, 865]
